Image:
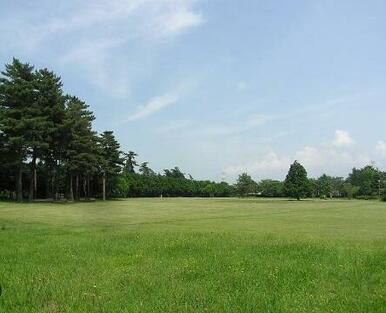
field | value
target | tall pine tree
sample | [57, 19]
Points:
[80, 151]
[111, 160]
[17, 104]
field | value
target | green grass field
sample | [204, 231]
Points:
[193, 255]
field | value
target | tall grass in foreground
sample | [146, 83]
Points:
[193, 255]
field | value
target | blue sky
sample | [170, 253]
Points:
[219, 87]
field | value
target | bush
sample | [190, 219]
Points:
[372, 197]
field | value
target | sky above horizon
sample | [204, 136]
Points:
[219, 87]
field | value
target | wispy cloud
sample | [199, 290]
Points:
[176, 19]
[342, 139]
[233, 127]
[93, 58]
[381, 148]
[96, 33]
[153, 18]
[154, 105]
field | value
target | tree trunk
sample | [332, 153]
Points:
[19, 184]
[88, 187]
[70, 196]
[56, 189]
[35, 182]
[53, 185]
[84, 187]
[104, 186]
[31, 188]
[48, 187]
[33, 179]
[77, 187]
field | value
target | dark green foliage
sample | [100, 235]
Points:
[369, 181]
[245, 185]
[111, 155]
[111, 161]
[81, 154]
[324, 184]
[45, 133]
[144, 169]
[328, 187]
[48, 134]
[271, 188]
[174, 173]
[296, 184]
[80, 148]
[18, 116]
[7, 181]
[350, 190]
[130, 162]
[173, 183]
[156, 185]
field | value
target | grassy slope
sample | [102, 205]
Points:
[193, 255]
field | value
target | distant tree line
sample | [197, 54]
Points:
[364, 183]
[49, 150]
[172, 183]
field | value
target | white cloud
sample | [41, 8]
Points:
[154, 105]
[342, 139]
[179, 17]
[316, 160]
[381, 148]
[270, 162]
[310, 157]
[328, 157]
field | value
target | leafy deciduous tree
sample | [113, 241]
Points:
[245, 185]
[296, 183]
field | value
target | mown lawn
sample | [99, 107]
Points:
[193, 255]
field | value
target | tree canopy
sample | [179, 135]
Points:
[296, 184]
[245, 185]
